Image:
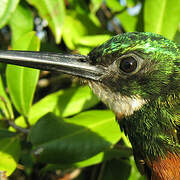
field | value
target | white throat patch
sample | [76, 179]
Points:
[118, 103]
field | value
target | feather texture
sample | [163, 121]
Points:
[154, 126]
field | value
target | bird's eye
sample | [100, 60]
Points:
[128, 64]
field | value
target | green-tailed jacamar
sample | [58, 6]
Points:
[138, 76]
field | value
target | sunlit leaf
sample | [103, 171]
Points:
[74, 101]
[5, 104]
[78, 26]
[7, 7]
[128, 21]
[9, 152]
[22, 81]
[93, 40]
[96, 4]
[114, 5]
[162, 17]
[72, 30]
[54, 12]
[63, 103]
[20, 23]
[131, 3]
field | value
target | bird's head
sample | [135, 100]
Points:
[125, 72]
[140, 67]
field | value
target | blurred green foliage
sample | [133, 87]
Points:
[47, 130]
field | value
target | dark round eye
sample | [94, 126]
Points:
[128, 64]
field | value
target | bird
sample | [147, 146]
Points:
[137, 75]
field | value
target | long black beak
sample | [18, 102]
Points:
[70, 64]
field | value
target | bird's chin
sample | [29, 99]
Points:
[120, 104]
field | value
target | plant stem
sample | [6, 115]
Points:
[6, 106]
[20, 129]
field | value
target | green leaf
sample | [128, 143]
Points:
[74, 101]
[53, 12]
[72, 30]
[84, 50]
[131, 3]
[63, 103]
[162, 17]
[93, 40]
[114, 5]
[177, 35]
[116, 169]
[6, 10]
[128, 21]
[80, 6]
[74, 139]
[5, 104]
[103, 156]
[135, 174]
[9, 152]
[6, 134]
[79, 25]
[99, 158]
[22, 81]
[96, 4]
[21, 22]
